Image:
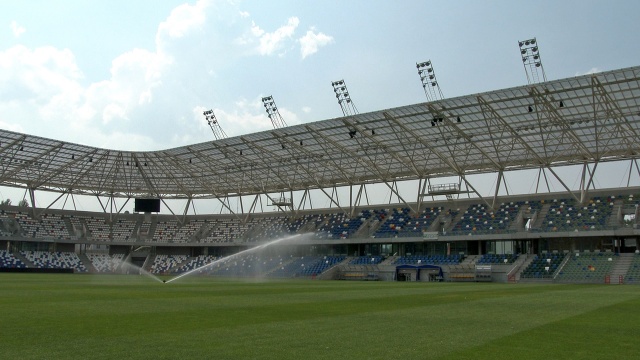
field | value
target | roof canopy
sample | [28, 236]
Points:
[583, 119]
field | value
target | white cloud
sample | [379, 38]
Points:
[113, 111]
[182, 20]
[310, 42]
[244, 14]
[38, 75]
[306, 109]
[11, 126]
[593, 70]
[42, 88]
[43, 92]
[270, 42]
[17, 29]
[244, 117]
[120, 140]
[255, 30]
[289, 116]
[248, 116]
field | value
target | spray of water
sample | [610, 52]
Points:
[238, 254]
[131, 268]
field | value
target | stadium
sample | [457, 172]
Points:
[430, 229]
[448, 217]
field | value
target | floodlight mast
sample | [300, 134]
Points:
[429, 82]
[344, 99]
[272, 112]
[218, 133]
[532, 61]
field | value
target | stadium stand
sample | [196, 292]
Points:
[105, 263]
[480, 219]
[421, 223]
[260, 265]
[7, 260]
[394, 222]
[165, 232]
[587, 267]
[55, 260]
[191, 231]
[273, 227]
[567, 215]
[412, 151]
[122, 230]
[247, 265]
[320, 265]
[401, 223]
[366, 260]
[95, 228]
[429, 259]
[497, 259]
[164, 263]
[227, 230]
[289, 268]
[543, 266]
[444, 219]
[49, 226]
[340, 226]
[195, 263]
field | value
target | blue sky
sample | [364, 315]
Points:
[136, 75]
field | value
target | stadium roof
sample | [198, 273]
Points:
[588, 118]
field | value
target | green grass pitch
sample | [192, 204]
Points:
[134, 317]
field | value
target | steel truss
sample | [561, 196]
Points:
[587, 121]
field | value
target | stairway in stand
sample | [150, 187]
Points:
[621, 267]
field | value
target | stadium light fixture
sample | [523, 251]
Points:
[272, 112]
[531, 60]
[429, 82]
[218, 133]
[344, 99]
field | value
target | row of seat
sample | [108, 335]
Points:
[429, 260]
[163, 263]
[497, 259]
[7, 260]
[586, 267]
[105, 263]
[57, 260]
[562, 215]
[543, 266]
[566, 215]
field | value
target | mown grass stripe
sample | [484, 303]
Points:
[106, 317]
